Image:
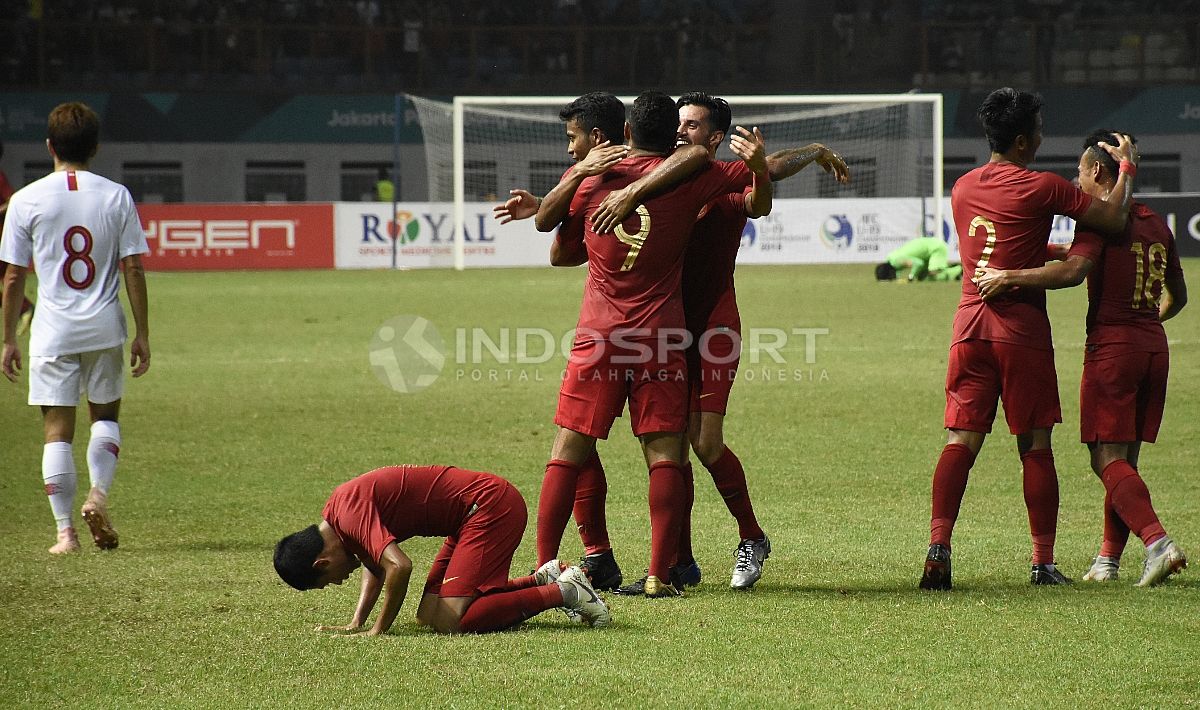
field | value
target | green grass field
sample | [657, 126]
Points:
[261, 399]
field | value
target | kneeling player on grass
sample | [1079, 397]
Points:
[1125, 359]
[468, 590]
[924, 257]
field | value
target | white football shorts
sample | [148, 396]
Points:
[60, 381]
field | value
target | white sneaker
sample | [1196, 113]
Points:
[1103, 569]
[748, 562]
[588, 604]
[548, 572]
[1163, 559]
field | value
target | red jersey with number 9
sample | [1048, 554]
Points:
[1003, 213]
[633, 282]
[1126, 283]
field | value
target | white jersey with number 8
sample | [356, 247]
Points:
[75, 227]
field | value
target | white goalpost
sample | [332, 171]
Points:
[892, 143]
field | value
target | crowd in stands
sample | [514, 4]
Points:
[453, 46]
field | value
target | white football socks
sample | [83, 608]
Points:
[102, 452]
[58, 473]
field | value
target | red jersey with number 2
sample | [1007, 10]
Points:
[1126, 283]
[1003, 213]
[633, 281]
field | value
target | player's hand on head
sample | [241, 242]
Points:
[601, 158]
[616, 206]
[833, 163]
[10, 362]
[139, 356]
[1124, 150]
[522, 205]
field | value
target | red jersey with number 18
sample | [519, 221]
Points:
[1003, 214]
[1126, 283]
[633, 282]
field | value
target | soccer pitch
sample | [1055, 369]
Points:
[261, 398]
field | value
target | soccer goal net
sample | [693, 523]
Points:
[892, 143]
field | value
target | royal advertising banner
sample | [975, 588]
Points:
[238, 236]
[422, 234]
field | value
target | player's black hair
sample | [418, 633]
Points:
[74, 132]
[719, 114]
[295, 555]
[885, 272]
[598, 109]
[1091, 144]
[1007, 113]
[654, 122]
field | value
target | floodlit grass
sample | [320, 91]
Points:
[261, 399]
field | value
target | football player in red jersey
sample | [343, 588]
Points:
[710, 307]
[1135, 283]
[468, 590]
[631, 332]
[1002, 349]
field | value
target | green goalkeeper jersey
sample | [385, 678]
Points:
[925, 257]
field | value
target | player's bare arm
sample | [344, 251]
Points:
[14, 292]
[569, 254]
[522, 205]
[789, 161]
[1174, 297]
[1060, 274]
[396, 569]
[750, 147]
[1110, 215]
[555, 205]
[135, 288]
[372, 584]
[618, 204]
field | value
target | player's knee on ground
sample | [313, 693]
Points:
[445, 616]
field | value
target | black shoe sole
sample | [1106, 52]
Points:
[936, 577]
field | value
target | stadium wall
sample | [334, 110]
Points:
[357, 235]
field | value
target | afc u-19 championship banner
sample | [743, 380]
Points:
[238, 236]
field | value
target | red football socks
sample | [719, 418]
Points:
[590, 496]
[554, 507]
[1131, 500]
[503, 610]
[949, 485]
[1041, 500]
[666, 516]
[1116, 532]
[685, 531]
[730, 478]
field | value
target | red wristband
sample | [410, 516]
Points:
[1128, 168]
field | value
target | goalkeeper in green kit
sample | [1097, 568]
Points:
[924, 257]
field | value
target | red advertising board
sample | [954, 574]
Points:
[217, 237]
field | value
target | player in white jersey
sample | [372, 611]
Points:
[77, 229]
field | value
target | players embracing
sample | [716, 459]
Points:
[1001, 349]
[1135, 282]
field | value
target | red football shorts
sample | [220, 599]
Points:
[980, 372]
[601, 376]
[1121, 398]
[713, 359]
[477, 559]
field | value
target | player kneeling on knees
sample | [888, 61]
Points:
[468, 590]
